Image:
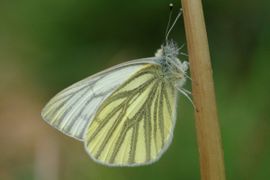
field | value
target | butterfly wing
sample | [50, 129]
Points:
[134, 125]
[71, 110]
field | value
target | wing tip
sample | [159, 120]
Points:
[59, 130]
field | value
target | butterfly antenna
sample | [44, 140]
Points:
[169, 21]
[170, 29]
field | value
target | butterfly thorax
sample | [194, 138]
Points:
[172, 68]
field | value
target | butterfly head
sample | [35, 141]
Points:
[172, 68]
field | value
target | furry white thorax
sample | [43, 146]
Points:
[174, 70]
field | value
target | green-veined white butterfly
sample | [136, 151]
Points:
[126, 114]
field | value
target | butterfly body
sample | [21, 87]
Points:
[124, 115]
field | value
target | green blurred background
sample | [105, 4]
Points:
[46, 45]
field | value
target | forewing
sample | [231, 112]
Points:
[71, 110]
[134, 125]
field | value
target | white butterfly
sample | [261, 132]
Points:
[126, 114]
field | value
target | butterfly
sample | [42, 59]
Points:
[124, 115]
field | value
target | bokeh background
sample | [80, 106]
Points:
[46, 45]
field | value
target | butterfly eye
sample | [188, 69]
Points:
[185, 65]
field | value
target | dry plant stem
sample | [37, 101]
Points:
[207, 126]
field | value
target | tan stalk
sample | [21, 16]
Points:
[207, 126]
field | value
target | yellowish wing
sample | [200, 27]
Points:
[134, 125]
